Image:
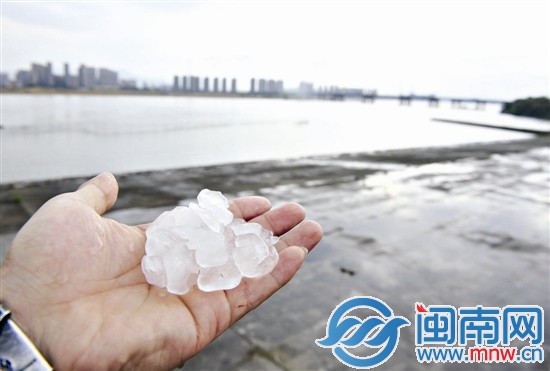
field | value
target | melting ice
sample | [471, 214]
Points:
[204, 244]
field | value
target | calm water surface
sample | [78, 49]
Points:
[53, 136]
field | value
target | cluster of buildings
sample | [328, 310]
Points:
[266, 87]
[90, 78]
[306, 89]
[195, 84]
[86, 78]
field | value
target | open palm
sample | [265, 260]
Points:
[73, 282]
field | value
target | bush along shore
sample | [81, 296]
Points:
[530, 107]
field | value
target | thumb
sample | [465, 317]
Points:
[100, 192]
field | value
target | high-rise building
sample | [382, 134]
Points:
[195, 84]
[108, 79]
[233, 86]
[271, 87]
[215, 85]
[252, 87]
[4, 80]
[206, 87]
[86, 77]
[279, 86]
[23, 79]
[49, 75]
[38, 75]
[68, 81]
[224, 86]
[176, 84]
[184, 83]
[66, 74]
[268, 87]
[306, 89]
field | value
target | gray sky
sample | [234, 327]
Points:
[490, 49]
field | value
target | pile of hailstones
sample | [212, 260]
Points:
[204, 244]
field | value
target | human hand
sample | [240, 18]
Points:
[73, 282]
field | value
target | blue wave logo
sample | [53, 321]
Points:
[380, 332]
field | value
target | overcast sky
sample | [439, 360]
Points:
[490, 49]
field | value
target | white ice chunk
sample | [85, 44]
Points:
[249, 252]
[153, 268]
[224, 216]
[248, 228]
[251, 240]
[217, 204]
[236, 221]
[166, 219]
[181, 273]
[204, 244]
[229, 235]
[224, 277]
[184, 216]
[266, 234]
[161, 241]
[210, 248]
[207, 217]
[212, 199]
[268, 263]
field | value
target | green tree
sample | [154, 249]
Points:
[530, 107]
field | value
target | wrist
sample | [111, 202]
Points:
[17, 352]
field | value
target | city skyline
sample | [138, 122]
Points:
[86, 78]
[89, 77]
[483, 48]
[42, 76]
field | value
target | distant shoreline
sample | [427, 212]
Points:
[290, 96]
[118, 92]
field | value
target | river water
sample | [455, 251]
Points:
[54, 136]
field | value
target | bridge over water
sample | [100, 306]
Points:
[406, 100]
[532, 127]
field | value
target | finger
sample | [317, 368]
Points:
[249, 207]
[253, 291]
[281, 219]
[100, 192]
[306, 234]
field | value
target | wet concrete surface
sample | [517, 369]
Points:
[462, 226]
